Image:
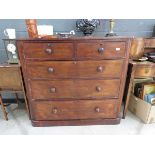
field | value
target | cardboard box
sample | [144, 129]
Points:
[144, 110]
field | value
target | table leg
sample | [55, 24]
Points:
[17, 100]
[23, 89]
[3, 108]
[132, 72]
[127, 99]
[27, 108]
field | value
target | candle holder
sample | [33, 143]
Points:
[111, 32]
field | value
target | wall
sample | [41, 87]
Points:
[123, 27]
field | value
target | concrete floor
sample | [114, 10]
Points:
[19, 124]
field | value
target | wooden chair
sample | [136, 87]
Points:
[11, 80]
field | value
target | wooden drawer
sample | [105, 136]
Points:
[51, 51]
[58, 89]
[75, 69]
[80, 109]
[145, 71]
[10, 78]
[101, 50]
[149, 43]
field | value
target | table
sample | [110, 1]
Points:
[11, 80]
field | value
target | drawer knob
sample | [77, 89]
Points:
[98, 88]
[97, 109]
[52, 90]
[55, 110]
[50, 69]
[48, 51]
[146, 71]
[101, 50]
[99, 69]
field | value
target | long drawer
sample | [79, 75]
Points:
[75, 69]
[74, 89]
[52, 51]
[101, 50]
[80, 109]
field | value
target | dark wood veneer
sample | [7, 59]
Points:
[75, 81]
[75, 89]
[75, 69]
[77, 109]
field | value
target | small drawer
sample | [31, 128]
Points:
[145, 71]
[48, 51]
[101, 50]
[75, 69]
[67, 110]
[74, 89]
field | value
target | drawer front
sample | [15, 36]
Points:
[75, 69]
[144, 71]
[10, 78]
[51, 51]
[105, 50]
[78, 89]
[64, 110]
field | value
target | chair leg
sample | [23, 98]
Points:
[3, 108]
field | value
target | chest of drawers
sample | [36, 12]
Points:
[76, 81]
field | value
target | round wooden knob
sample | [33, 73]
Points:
[55, 110]
[50, 69]
[101, 50]
[146, 71]
[97, 109]
[98, 88]
[52, 90]
[99, 69]
[48, 51]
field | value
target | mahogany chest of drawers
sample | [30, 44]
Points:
[76, 81]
